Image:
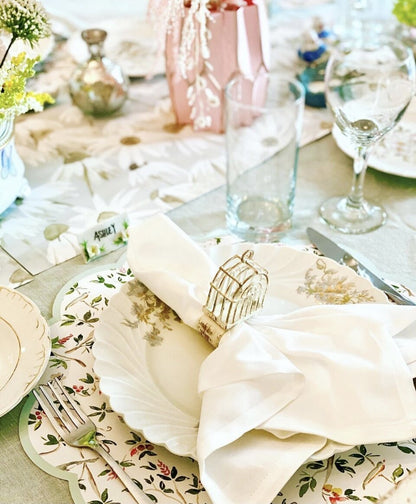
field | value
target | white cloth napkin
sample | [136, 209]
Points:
[285, 388]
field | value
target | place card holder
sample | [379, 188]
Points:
[236, 292]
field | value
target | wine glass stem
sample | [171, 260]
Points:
[356, 196]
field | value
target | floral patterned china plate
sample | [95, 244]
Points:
[25, 347]
[148, 360]
[394, 154]
[130, 42]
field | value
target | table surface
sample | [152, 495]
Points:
[323, 172]
[392, 249]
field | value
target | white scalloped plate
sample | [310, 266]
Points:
[148, 361]
[394, 154]
[25, 347]
[131, 42]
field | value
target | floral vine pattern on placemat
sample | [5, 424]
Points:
[361, 474]
[164, 477]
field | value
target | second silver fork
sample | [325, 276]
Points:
[77, 429]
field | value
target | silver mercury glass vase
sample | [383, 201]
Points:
[98, 87]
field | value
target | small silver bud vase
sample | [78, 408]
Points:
[98, 86]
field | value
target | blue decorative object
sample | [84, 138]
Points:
[312, 98]
[12, 181]
[312, 47]
[314, 53]
[310, 56]
[324, 33]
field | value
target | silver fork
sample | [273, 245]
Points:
[76, 429]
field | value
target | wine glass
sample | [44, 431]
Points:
[368, 86]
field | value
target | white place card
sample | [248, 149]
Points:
[104, 237]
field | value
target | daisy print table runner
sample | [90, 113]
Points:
[83, 171]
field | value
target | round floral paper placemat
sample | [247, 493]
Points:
[363, 473]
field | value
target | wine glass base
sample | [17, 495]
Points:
[340, 215]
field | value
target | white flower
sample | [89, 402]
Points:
[61, 134]
[203, 177]
[92, 250]
[127, 146]
[24, 19]
[31, 138]
[62, 248]
[121, 237]
[89, 172]
[155, 175]
[43, 205]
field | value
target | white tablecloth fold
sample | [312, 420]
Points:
[285, 388]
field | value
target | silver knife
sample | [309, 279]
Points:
[332, 250]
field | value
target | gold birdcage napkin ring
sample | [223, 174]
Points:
[236, 292]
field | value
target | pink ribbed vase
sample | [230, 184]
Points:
[238, 45]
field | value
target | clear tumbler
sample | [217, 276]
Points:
[263, 128]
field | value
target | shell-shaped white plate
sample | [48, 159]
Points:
[25, 347]
[148, 360]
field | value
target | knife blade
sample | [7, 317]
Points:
[332, 250]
